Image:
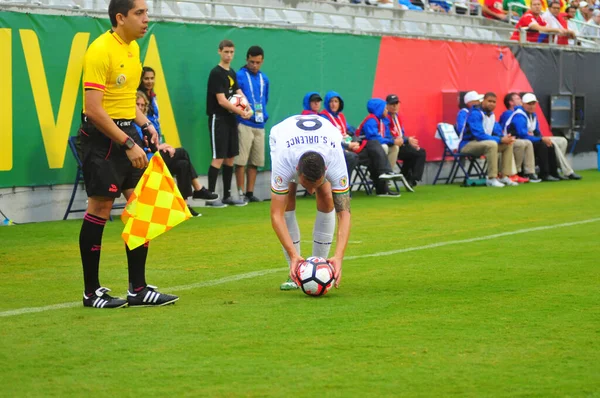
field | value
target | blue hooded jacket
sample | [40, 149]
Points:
[518, 127]
[306, 103]
[370, 128]
[474, 129]
[504, 117]
[332, 94]
[242, 80]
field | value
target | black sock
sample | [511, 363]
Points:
[213, 173]
[136, 265]
[227, 175]
[249, 194]
[90, 243]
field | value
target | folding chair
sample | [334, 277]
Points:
[360, 174]
[451, 140]
[78, 179]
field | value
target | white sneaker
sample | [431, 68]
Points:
[508, 181]
[493, 182]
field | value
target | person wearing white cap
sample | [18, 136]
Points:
[471, 99]
[593, 29]
[476, 141]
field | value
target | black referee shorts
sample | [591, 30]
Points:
[224, 139]
[107, 171]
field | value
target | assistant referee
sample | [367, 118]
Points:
[111, 149]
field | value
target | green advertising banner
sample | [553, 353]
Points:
[40, 81]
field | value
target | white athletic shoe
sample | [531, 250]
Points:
[508, 181]
[493, 182]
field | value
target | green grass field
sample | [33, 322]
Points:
[510, 315]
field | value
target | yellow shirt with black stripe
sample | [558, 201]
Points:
[114, 67]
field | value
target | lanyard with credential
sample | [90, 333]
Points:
[262, 84]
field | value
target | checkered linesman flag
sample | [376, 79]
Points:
[155, 206]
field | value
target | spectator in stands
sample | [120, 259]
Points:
[537, 29]
[592, 30]
[519, 11]
[493, 9]
[585, 11]
[523, 149]
[410, 153]
[178, 162]
[577, 5]
[554, 19]
[569, 16]
[476, 141]
[471, 99]
[523, 124]
[312, 103]
[334, 105]
[374, 127]
[251, 132]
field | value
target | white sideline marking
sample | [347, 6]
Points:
[235, 278]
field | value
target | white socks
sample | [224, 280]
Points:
[323, 233]
[292, 226]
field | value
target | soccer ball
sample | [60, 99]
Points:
[239, 101]
[315, 276]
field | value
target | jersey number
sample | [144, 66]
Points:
[311, 124]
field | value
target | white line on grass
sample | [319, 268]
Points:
[235, 278]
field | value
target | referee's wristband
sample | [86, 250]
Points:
[146, 125]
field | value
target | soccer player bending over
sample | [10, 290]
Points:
[307, 150]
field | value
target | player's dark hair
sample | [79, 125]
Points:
[507, 98]
[489, 94]
[570, 7]
[255, 51]
[226, 43]
[311, 165]
[119, 7]
[145, 69]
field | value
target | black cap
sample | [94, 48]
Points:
[315, 97]
[392, 99]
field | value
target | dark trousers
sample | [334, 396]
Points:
[374, 157]
[351, 161]
[545, 158]
[413, 162]
[182, 169]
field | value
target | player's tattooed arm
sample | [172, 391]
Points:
[341, 202]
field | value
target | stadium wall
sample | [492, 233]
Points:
[40, 82]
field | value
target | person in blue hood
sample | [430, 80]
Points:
[334, 105]
[311, 103]
[376, 131]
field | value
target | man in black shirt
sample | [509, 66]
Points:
[222, 125]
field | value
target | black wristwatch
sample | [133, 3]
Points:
[129, 143]
[146, 125]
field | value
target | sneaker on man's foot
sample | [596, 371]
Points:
[252, 198]
[389, 194]
[408, 187]
[149, 297]
[493, 182]
[205, 194]
[193, 212]
[574, 176]
[234, 202]
[288, 285]
[507, 181]
[101, 299]
[533, 178]
[518, 179]
[216, 204]
[550, 178]
[388, 176]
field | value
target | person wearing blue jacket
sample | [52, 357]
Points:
[311, 103]
[334, 106]
[477, 141]
[251, 132]
[376, 132]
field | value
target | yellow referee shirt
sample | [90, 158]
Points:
[112, 66]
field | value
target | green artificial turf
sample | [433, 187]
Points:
[511, 315]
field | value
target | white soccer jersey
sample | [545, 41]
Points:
[294, 136]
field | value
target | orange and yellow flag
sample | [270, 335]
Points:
[155, 206]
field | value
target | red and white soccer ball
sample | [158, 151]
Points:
[315, 276]
[239, 101]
